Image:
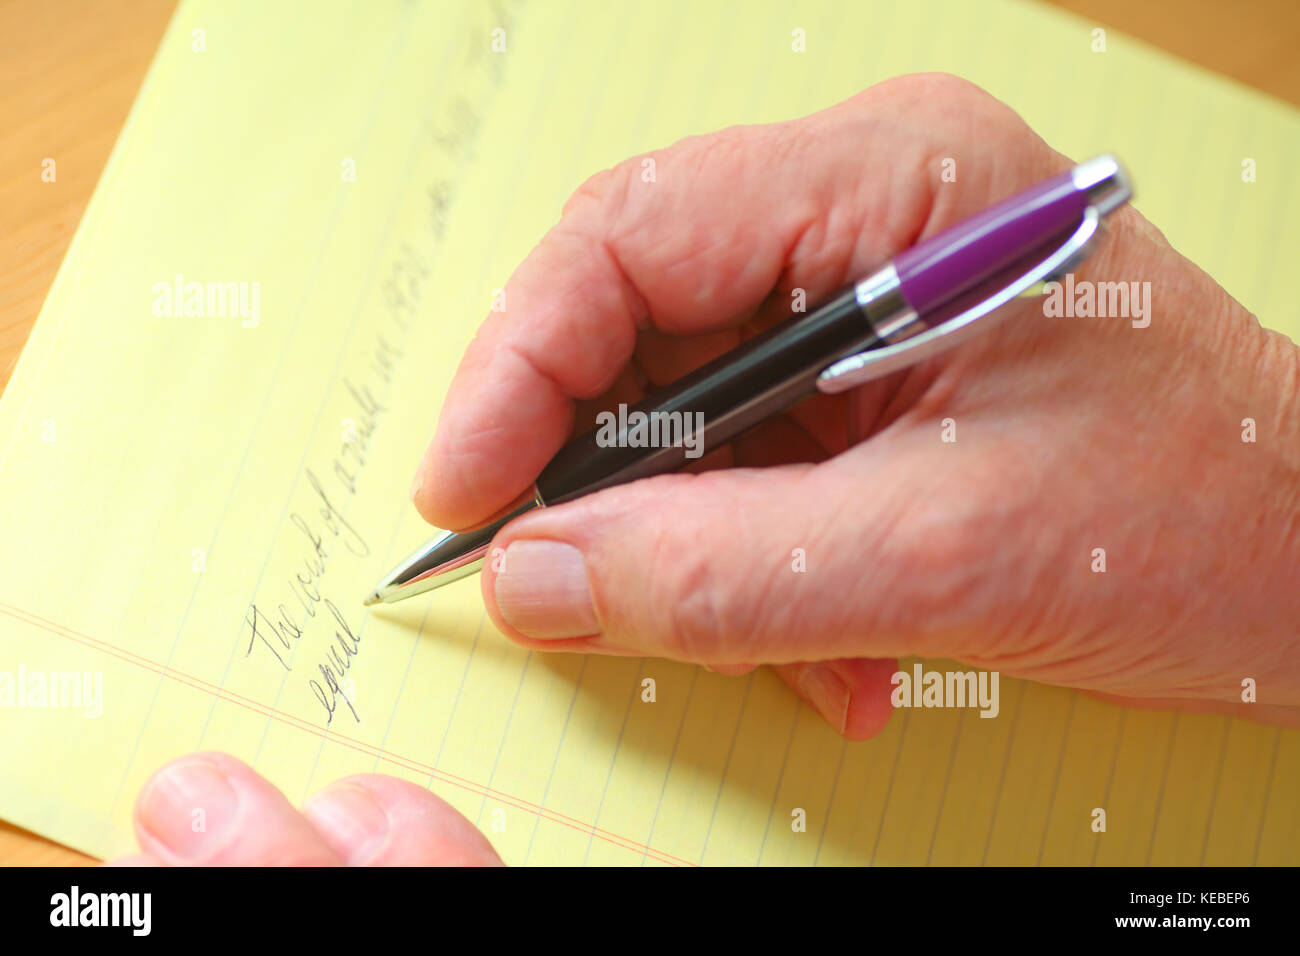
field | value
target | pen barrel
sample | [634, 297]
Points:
[712, 405]
[957, 259]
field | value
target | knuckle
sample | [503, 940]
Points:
[596, 190]
[697, 607]
[605, 206]
[698, 597]
[923, 89]
[952, 109]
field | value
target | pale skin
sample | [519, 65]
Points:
[1072, 435]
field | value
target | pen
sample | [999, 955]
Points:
[926, 300]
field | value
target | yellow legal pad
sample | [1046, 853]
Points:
[245, 352]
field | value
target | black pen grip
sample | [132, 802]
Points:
[760, 378]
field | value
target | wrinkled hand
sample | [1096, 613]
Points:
[1072, 434]
[213, 810]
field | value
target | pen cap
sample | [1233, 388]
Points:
[944, 266]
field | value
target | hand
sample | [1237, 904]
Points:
[1072, 434]
[211, 809]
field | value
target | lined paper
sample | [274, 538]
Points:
[197, 487]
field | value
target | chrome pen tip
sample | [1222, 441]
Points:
[373, 598]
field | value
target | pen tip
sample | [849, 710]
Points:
[373, 598]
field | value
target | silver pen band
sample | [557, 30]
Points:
[880, 297]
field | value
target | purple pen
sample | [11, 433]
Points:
[932, 272]
[1054, 222]
[910, 309]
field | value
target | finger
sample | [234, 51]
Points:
[135, 859]
[852, 696]
[211, 809]
[373, 820]
[618, 257]
[781, 565]
[726, 219]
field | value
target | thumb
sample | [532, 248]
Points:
[739, 566]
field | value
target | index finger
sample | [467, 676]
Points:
[694, 247]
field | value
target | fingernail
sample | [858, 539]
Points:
[828, 693]
[188, 807]
[351, 821]
[542, 590]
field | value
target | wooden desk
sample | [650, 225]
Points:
[70, 69]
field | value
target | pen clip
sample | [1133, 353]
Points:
[874, 363]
